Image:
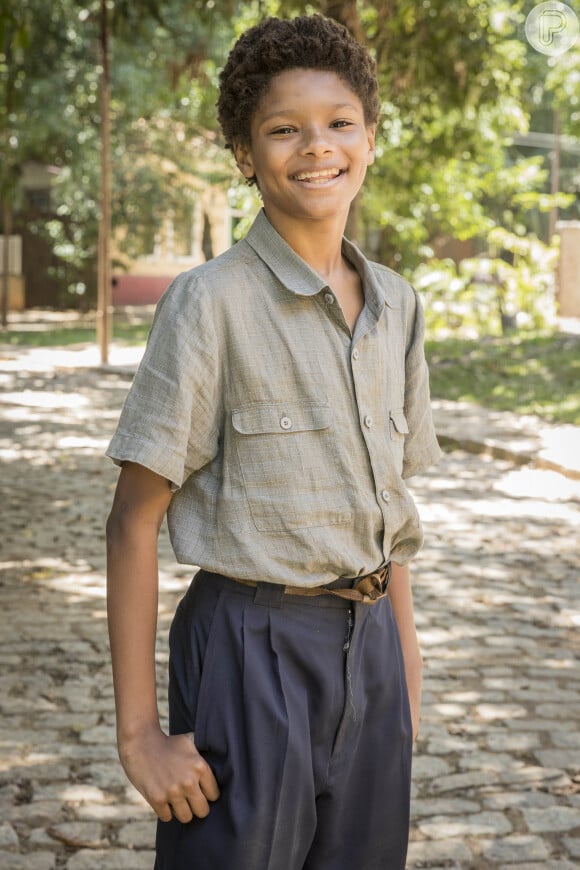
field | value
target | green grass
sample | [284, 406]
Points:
[537, 374]
[65, 336]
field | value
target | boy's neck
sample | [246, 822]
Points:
[318, 243]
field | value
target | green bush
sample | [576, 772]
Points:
[512, 286]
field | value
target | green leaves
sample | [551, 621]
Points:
[458, 82]
[510, 283]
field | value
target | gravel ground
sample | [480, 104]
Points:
[497, 766]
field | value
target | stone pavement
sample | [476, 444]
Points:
[497, 766]
[521, 438]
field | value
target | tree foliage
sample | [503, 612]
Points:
[163, 79]
[458, 82]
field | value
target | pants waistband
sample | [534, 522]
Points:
[364, 590]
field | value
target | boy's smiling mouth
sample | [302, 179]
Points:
[319, 176]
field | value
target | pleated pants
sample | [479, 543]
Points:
[300, 707]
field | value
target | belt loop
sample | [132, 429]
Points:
[269, 594]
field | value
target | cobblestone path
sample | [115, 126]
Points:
[497, 767]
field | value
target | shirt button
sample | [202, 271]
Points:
[329, 298]
[368, 421]
[286, 423]
[355, 354]
[386, 495]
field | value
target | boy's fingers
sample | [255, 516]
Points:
[180, 783]
[208, 784]
[163, 811]
[199, 805]
[182, 810]
[207, 781]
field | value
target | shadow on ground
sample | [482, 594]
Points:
[496, 770]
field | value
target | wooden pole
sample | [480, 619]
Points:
[104, 289]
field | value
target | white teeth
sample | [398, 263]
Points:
[322, 175]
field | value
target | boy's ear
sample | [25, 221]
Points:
[371, 133]
[243, 155]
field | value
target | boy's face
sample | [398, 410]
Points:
[310, 146]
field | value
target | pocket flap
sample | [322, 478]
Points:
[399, 422]
[281, 419]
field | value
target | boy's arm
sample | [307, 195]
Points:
[401, 596]
[168, 771]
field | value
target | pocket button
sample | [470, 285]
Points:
[286, 423]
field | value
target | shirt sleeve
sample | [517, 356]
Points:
[170, 419]
[421, 447]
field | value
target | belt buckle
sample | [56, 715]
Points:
[374, 586]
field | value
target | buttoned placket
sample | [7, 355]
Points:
[361, 361]
[366, 419]
[333, 309]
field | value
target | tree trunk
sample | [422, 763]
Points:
[7, 232]
[206, 243]
[346, 12]
[7, 192]
[104, 287]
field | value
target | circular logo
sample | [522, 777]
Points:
[552, 28]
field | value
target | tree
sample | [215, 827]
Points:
[129, 18]
[451, 77]
[108, 13]
[455, 75]
[62, 83]
[119, 15]
[13, 35]
[552, 98]
[20, 71]
[47, 95]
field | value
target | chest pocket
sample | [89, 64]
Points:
[289, 462]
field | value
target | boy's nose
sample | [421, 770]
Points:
[315, 141]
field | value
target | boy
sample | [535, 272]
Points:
[282, 397]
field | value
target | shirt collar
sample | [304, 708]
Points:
[290, 269]
[376, 293]
[298, 277]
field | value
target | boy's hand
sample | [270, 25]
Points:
[170, 774]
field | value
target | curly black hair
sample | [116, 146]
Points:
[276, 45]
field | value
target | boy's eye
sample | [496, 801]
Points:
[287, 130]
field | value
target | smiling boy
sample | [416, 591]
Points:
[282, 399]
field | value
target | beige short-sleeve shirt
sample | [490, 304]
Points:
[285, 438]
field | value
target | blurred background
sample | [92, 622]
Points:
[113, 179]
[113, 176]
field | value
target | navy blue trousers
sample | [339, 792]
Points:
[300, 707]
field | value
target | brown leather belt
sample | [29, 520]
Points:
[367, 590]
